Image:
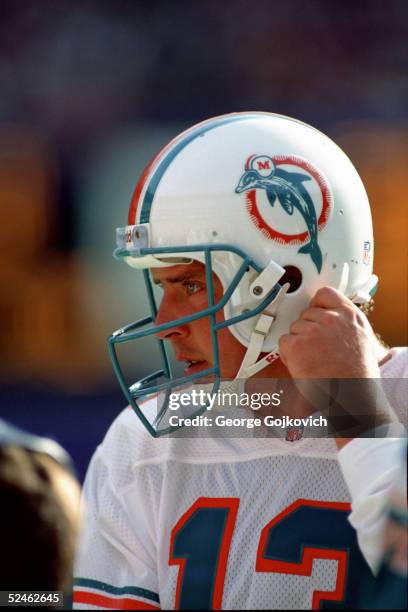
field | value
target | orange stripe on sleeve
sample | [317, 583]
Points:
[113, 603]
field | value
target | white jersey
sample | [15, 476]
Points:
[204, 523]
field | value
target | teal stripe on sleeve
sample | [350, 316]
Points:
[112, 590]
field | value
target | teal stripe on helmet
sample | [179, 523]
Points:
[165, 163]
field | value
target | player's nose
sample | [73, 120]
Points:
[167, 313]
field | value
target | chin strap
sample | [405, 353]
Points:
[250, 365]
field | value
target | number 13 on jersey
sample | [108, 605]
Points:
[289, 543]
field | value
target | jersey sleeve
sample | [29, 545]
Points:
[371, 467]
[115, 566]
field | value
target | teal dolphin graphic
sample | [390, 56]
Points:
[288, 188]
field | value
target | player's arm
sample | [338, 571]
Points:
[371, 468]
[333, 341]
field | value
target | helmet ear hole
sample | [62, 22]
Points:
[293, 276]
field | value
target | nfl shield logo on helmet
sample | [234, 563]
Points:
[367, 252]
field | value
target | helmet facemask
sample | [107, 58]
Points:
[162, 383]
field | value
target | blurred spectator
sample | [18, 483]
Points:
[40, 513]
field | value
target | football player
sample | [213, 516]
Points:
[257, 230]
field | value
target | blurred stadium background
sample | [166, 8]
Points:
[89, 89]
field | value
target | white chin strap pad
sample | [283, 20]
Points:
[249, 365]
[266, 280]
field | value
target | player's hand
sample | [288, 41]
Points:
[331, 339]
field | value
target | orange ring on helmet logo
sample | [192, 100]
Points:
[274, 234]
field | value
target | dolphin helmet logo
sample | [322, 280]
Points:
[286, 186]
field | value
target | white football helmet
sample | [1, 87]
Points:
[268, 203]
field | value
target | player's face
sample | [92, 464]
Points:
[184, 293]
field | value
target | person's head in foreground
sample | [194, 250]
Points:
[258, 229]
[40, 513]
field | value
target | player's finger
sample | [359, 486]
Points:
[285, 342]
[327, 297]
[301, 327]
[316, 315]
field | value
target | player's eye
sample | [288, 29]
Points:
[193, 287]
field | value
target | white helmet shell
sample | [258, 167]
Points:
[273, 186]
